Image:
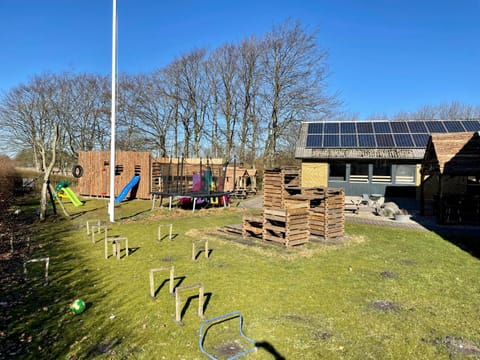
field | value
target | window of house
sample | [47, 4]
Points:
[405, 174]
[338, 172]
[359, 173]
[382, 173]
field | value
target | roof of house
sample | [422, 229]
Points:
[453, 154]
[398, 139]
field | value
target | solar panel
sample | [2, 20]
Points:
[454, 126]
[435, 126]
[348, 128]
[364, 128]
[382, 134]
[420, 140]
[385, 140]
[399, 127]
[331, 128]
[331, 141]
[382, 127]
[471, 125]
[366, 140]
[349, 141]
[417, 127]
[314, 141]
[315, 128]
[403, 140]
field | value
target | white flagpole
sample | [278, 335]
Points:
[111, 205]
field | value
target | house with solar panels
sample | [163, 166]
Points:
[370, 157]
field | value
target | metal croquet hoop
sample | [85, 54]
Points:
[232, 314]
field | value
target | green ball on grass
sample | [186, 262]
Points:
[78, 306]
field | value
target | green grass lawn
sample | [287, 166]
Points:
[379, 293]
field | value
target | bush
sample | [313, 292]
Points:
[8, 179]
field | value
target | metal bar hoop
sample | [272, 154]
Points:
[240, 326]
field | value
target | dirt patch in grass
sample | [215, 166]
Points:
[388, 275]
[461, 346]
[457, 346]
[384, 305]
[105, 347]
[408, 262]
[299, 318]
[321, 335]
[228, 349]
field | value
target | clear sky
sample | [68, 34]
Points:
[386, 56]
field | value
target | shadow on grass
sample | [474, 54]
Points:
[134, 215]
[207, 297]
[466, 237]
[40, 323]
[270, 349]
[179, 279]
[207, 254]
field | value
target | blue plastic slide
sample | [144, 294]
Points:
[127, 188]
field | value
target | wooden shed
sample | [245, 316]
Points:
[450, 175]
[95, 180]
[241, 180]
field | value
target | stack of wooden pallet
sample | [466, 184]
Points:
[279, 184]
[328, 219]
[252, 226]
[287, 226]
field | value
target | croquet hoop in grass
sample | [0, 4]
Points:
[77, 171]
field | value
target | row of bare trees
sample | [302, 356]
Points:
[454, 110]
[243, 100]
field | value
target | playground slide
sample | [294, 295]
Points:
[71, 195]
[127, 188]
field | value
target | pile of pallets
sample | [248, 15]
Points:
[252, 226]
[288, 227]
[328, 218]
[278, 184]
[292, 213]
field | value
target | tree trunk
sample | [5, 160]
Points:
[47, 172]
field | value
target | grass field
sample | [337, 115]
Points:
[378, 293]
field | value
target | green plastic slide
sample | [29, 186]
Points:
[71, 195]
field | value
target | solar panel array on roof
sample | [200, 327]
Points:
[382, 134]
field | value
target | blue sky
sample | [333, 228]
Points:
[385, 56]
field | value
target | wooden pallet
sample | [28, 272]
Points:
[326, 210]
[252, 226]
[279, 184]
[288, 227]
[328, 219]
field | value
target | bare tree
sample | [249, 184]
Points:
[31, 111]
[89, 112]
[147, 113]
[454, 110]
[19, 112]
[192, 96]
[249, 83]
[224, 61]
[295, 71]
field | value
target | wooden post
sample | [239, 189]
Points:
[99, 230]
[116, 246]
[178, 315]
[47, 263]
[205, 241]
[160, 231]
[88, 225]
[152, 284]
